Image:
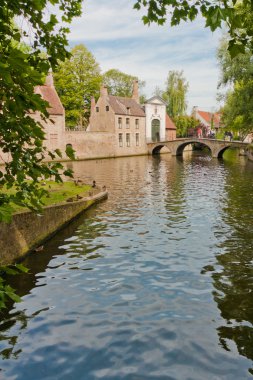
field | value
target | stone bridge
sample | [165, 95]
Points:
[176, 147]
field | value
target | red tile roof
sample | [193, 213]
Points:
[169, 123]
[121, 105]
[49, 94]
[207, 116]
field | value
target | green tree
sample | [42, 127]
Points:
[240, 68]
[158, 92]
[216, 13]
[77, 80]
[238, 109]
[238, 74]
[175, 94]
[119, 83]
[184, 123]
[20, 72]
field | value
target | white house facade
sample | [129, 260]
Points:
[155, 111]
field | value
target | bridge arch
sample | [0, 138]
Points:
[180, 148]
[221, 151]
[176, 147]
[158, 147]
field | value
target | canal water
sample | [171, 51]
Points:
[154, 283]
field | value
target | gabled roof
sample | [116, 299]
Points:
[49, 94]
[169, 123]
[209, 116]
[152, 100]
[125, 106]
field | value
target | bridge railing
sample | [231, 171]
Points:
[149, 141]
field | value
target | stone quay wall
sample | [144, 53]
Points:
[28, 230]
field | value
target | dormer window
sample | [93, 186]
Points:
[128, 110]
[107, 108]
[97, 109]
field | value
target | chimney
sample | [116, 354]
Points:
[50, 79]
[92, 104]
[135, 94]
[103, 91]
[194, 111]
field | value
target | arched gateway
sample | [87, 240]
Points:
[155, 130]
[176, 147]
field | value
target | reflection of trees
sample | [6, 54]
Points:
[85, 229]
[80, 240]
[18, 318]
[234, 281]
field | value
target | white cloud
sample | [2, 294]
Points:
[113, 31]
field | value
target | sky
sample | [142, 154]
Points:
[114, 33]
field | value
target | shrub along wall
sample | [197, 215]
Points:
[28, 230]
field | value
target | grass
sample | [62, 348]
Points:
[57, 193]
[60, 192]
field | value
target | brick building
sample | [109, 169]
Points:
[118, 126]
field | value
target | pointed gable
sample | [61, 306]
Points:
[155, 100]
[49, 94]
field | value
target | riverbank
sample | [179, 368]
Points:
[29, 230]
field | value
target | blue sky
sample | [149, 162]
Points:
[114, 32]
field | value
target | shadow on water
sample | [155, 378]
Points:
[232, 274]
[38, 262]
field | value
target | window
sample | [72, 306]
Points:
[128, 110]
[155, 109]
[97, 109]
[137, 123]
[127, 122]
[107, 108]
[128, 139]
[137, 139]
[120, 139]
[120, 122]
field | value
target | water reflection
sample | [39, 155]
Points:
[131, 289]
[233, 282]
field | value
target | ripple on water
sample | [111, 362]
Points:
[146, 285]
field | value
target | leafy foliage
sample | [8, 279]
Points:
[119, 83]
[20, 71]
[238, 73]
[216, 13]
[175, 94]
[6, 291]
[77, 80]
[238, 109]
[239, 68]
[184, 123]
